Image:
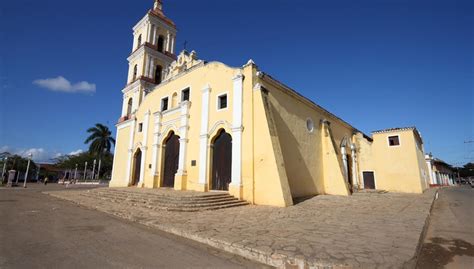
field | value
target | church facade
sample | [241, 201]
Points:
[189, 124]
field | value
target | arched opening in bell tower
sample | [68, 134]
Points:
[129, 107]
[139, 41]
[135, 72]
[158, 73]
[161, 43]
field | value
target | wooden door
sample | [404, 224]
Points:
[137, 167]
[171, 160]
[222, 162]
[369, 180]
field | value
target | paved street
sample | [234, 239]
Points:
[450, 238]
[366, 230]
[39, 231]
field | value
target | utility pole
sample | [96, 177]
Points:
[85, 172]
[27, 169]
[4, 167]
[75, 174]
[93, 170]
[38, 173]
[98, 169]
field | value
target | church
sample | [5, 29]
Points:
[189, 124]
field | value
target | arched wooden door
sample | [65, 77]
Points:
[222, 162]
[171, 160]
[137, 161]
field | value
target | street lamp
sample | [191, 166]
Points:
[98, 169]
[93, 170]
[4, 168]
[85, 171]
[75, 175]
[27, 168]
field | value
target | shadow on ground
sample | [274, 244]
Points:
[440, 252]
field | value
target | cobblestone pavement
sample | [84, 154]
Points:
[366, 230]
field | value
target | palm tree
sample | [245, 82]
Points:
[100, 140]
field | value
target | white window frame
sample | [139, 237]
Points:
[399, 141]
[186, 88]
[161, 103]
[218, 101]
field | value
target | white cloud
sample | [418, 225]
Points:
[38, 154]
[60, 84]
[76, 152]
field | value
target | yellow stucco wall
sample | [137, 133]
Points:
[281, 159]
[302, 149]
[119, 173]
[398, 168]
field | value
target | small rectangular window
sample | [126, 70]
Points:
[164, 104]
[222, 102]
[140, 127]
[185, 95]
[393, 140]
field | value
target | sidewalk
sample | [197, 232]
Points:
[449, 241]
[366, 230]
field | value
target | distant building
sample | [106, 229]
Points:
[394, 161]
[442, 174]
[189, 124]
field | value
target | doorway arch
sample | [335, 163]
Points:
[137, 163]
[171, 160]
[221, 175]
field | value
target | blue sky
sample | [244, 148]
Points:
[375, 63]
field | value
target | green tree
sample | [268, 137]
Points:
[467, 170]
[100, 143]
[70, 161]
[18, 163]
[100, 139]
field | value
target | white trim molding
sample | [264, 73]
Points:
[204, 137]
[145, 146]
[183, 140]
[156, 144]
[218, 108]
[130, 151]
[237, 129]
[355, 176]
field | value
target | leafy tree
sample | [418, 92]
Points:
[467, 170]
[70, 161]
[100, 142]
[100, 139]
[18, 163]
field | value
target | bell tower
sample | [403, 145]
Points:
[154, 38]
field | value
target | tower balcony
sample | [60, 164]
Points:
[126, 118]
[145, 79]
[155, 49]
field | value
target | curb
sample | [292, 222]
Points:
[414, 261]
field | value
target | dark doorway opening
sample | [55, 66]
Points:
[369, 180]
[171, 160]
[137, 160]
[221, 162]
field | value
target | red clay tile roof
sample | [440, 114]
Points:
[394, 130]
